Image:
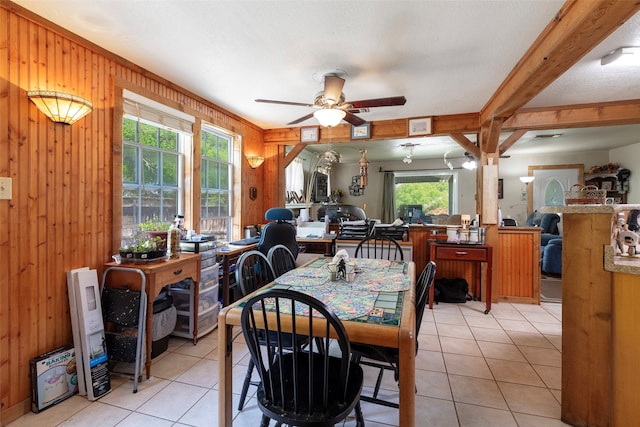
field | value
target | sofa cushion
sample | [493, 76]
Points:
[549, 223]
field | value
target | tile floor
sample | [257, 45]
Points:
[501, 369]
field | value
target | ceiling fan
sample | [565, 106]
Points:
[332, 107]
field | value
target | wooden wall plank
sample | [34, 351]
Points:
[62, 210]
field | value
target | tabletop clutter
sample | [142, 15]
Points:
[467, 232]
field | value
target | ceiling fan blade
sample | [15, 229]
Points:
[270, 101]
[301, 119]
[332, 89]
[379, 102]
[353, 119]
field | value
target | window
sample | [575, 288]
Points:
[154, 140]
[424, 195]
[216, 183]
[151, 173]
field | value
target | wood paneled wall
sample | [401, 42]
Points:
[61, 213]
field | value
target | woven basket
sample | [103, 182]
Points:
[585, 195]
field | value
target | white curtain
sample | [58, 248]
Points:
[294, 176]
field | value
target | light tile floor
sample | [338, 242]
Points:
[501, 369]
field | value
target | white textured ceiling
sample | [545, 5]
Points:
[446, 56]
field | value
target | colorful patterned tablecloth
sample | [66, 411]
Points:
[373, 295]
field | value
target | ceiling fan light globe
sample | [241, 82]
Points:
[329, 117]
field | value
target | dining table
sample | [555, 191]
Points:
[376, 306]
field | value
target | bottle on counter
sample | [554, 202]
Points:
[174, 239]
[405, 235]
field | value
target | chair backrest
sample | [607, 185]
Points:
[281, 259]
[379, 247]
[549, 223]
[279, 232]
[295, 382]
[253, 271]
[424, 282]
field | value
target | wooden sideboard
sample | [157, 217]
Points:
[516, 277]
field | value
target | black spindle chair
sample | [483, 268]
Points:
[388, 358]
[300, 387]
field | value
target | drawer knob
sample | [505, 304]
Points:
[177, 272]
[461, 253]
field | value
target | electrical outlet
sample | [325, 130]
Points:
[5, 188]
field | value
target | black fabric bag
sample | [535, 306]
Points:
[451, 290]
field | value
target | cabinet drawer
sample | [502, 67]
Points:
[177, 273]
[462, 254]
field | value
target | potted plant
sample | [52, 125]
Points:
[155, 227]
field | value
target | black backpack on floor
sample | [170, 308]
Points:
[451, 290]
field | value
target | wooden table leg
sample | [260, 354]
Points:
[489, 277]
[225, 371]
[407, 365]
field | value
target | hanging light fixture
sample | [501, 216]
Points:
[255, 161]
[364, 169]
[470, 163]
[60, 107]
[409, 157]
[329, 117]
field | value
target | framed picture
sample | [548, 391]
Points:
[607, 185]
[310, 134]
[361, 132]
[421, 126]
[500, 189]
[356, 190]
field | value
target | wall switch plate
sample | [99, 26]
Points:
[5, 188]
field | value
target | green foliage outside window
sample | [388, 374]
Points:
[432, 196]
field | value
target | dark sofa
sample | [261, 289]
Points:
[550, 241]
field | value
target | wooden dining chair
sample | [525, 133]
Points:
[281, 259]
[385, 358]
[379, 247]
[253, 271]
[308, 386]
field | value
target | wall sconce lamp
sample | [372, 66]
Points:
[526, 180]
[255, 161]
[60, 107]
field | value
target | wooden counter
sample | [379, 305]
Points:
[586, 316]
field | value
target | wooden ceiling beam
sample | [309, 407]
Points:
[577, 116]
[466, 143]
[380, 130]
[577, 28]
[512, 139]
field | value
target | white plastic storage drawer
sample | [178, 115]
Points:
[209, 277]
[183, 328]
[207, 299]
[208, 320]
[181, 299]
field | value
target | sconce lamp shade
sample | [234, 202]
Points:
[255, 161]
[526, 179]
[60, 107]
[329, 117]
